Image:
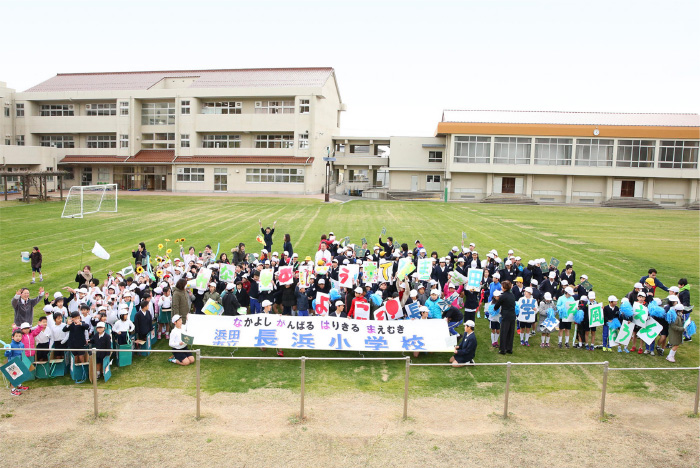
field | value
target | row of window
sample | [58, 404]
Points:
[676, 154]
[163, 113]
[253, 175]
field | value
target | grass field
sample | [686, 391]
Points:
[613, 247]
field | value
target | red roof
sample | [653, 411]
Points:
[244, 77]
[153, 156]
[92, 159]
[243, 160]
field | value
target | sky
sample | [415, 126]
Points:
[398, 63]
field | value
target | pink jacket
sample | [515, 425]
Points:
[28, 340]
[458, 300]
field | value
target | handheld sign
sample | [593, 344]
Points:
[286, 275]
[266, 279]
[550, 323]
[405, 268]
[641, 314]
[227, 272]
[595, 315]
[527, 310]
[304, 272]
[15, 371]
[323, 302]
[212, 308]
[364, 241]
[458, 278]
[383, 231]
[369, 272]
[393, 309]
[425, 268]
[650, 331]
[587, 286]
[544, 267]
[554, 262]
[474, 276]
[345, 276]
[413, 310]
[385, 273]
[203, 277]
[188, 339]
[361, 311]
[625, 333]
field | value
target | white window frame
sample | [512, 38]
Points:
[123, 141]
[19, 140]
[57, 141]
[547, 151]
[472, 149]
[101, 141]
[184, 140]
[101, 109]
[220, 186]
[274, 141]
[434, 156]
[278, 106]
[57, 110]
[222, 107]
[190, 174]
[159, 140]
[273, 175]
[590, 150]
[517, 150]
[304, 106]
[219, 140]
[158, 113]
[304, 141]
[185, 107]
[678, 154]
[634, 149]
[123, 107]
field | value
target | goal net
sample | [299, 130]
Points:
[88, 199]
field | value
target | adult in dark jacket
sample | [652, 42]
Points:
[506, 304]
[389, 245]
[238, 254]
[83, 276]
[267, 235]
[439, 273]
[141, 254]
[288, 298]
[242, 295]
[229, 300]
[287, 247]
[465, 352]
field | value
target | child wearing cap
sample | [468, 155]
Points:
[14, 351]
[494, 318]
[675, 333]
[29, 335]
[165, 306]
[123, 327]
[103, 341]
[610, 312]
[543, 311]
[180, 354]
[562, 303]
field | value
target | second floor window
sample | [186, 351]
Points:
[101, 109]
[123, 141]
[56, 110]
[221, 141]
[102, 141]
[184, 107]
[57, 141]
[435, 156]
[274, 107]
[303, 141]
[158, 113]
[304, 106]
[222, 107]
[185, 140]
[20, 110]
[635, 153]
[274, 141]
[123, 107]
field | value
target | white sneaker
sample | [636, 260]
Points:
[671, 359]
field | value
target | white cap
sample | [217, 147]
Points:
[552, 274]
[214, 266]
[358, 290]
[266, 303]
[497, 259]
[641, 293]
[528, 289]
[321, 280]
[264, 250]
[569, 290]
[584, 277]
[56, 295]
[230, 286]
[470, 324]
[413, 293]
[176, 317]
[518, 258]
[472, 244]
[100, 325]
[564, 283]
[455, 249]
[83, 290]
[497, 275]
[672, 298]
[442, 260]
[465, 249]
[133, 286]
[339, 303]
[25, 325]
[612, 299]
[547, 296]
[212, 284]
[48, 308]
[678, 307]
[295, 255]
[489, 255]
[432, 281]
[434, 291]
[497, 293]
[423, 309]
[158, 290]
[346, 262]
[638, 286]
[569, 262]
[461, 260]
[508, 262]
[674, 289]
[583, 298]
[534, 281]
[657, 300]
[591, 295]
[510, 251]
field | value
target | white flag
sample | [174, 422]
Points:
[100, 251]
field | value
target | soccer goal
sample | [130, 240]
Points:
[88, 199]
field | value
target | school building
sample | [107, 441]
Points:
[268, 130]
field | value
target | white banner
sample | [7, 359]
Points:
[327, 333]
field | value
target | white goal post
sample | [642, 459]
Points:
[86, 199]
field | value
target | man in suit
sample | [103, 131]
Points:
[464, 353]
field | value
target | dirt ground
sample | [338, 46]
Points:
[53, 427]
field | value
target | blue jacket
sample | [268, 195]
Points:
[435, 312]
[15, 350]
[302, 299]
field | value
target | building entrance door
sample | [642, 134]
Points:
[627, 189]
[508, 185]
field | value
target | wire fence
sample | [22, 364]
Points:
[302, 359]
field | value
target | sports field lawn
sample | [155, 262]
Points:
[614, 247]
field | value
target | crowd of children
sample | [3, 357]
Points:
[158, 294]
